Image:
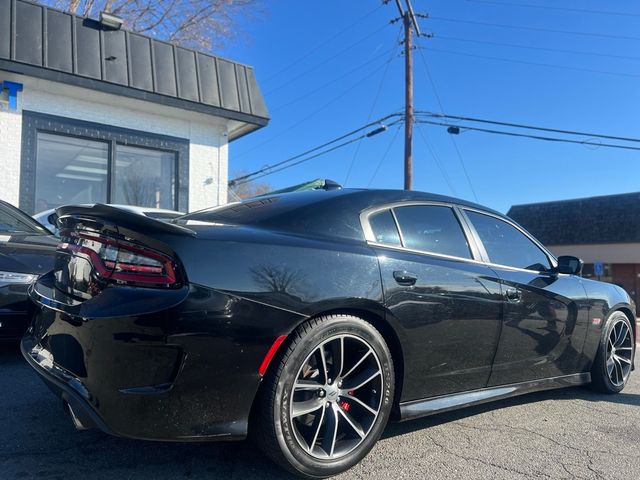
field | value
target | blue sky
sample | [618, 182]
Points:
[321, 65]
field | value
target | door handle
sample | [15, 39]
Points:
[405, 278]
[514, 295]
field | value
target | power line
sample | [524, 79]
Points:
[530, 47]
[437, 161]
[536, 29]
[324, 152]
[455, 145]
[310, 52]
[537, 64]
[384, 155]
[461, 128]
[373, 106]
[560, 9]
[528, 127]
[331, 82]
[324, 62]
[269, 168]
[311, 115]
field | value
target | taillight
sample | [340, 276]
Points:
[121, 261]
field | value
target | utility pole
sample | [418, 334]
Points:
[410, 25]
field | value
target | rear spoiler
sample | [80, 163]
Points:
[121, 218]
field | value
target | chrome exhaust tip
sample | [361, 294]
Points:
[76, 421]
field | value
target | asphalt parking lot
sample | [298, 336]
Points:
[572, 433]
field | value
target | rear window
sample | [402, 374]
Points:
[252, 211]
[432, 228]
[162, 215]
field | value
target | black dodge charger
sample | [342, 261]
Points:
[308, 320]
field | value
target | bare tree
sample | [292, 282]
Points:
[200, 24]
[277, 279]
[247, 190]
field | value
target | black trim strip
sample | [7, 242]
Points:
[444, 403]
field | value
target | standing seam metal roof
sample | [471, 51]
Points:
[43, 42]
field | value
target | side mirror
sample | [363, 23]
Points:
[52, 218]
[570, 265]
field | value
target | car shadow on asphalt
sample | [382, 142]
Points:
[37, 439]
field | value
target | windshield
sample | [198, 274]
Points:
[13, 220]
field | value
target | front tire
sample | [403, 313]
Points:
[613, 362]
[325, 402]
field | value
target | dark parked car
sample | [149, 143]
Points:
[27, 249]
[307, 320]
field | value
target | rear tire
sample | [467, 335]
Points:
[612, 365]
[326, 398]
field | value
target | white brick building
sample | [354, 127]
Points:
[91, 114]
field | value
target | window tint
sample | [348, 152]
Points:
[433, 229]
[506, 245]
[384, 228]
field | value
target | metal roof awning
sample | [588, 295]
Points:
[42, 42]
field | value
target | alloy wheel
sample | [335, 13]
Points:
[336, 397]
[619, 353]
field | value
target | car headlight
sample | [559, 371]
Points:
[13, 278]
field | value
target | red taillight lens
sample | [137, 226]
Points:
[122, 261]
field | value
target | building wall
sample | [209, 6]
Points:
[208, 149]
[605, 253]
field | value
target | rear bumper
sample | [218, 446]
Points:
[188, 372]
[65, 386]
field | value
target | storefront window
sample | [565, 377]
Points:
[81, 170]
[70, 170]
[144, 177]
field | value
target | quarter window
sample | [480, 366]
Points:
[506, 245]
[384, 228]
[432, 228]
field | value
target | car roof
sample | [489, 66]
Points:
[318, 212]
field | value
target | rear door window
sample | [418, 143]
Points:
[432, 228]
